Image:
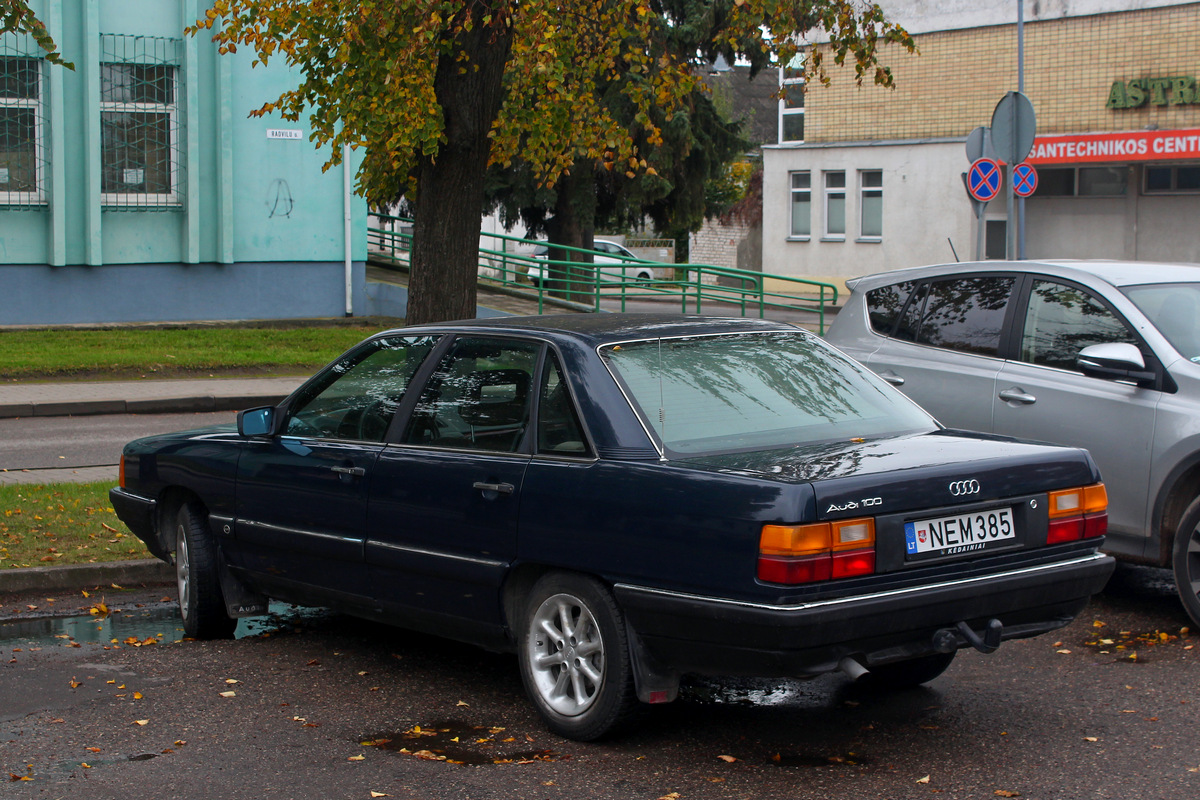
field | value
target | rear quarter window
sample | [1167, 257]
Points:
[885, 304]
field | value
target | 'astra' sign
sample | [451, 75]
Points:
[1155, 91]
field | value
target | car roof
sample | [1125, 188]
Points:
[1117, 273]
[603, 328]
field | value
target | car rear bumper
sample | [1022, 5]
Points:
[708, 635]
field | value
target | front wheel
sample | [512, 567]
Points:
[1186, 560]
[196, 575]
[574, 657]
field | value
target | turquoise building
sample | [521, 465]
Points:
[138, 188]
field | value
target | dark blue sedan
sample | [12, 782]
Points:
[620, 499]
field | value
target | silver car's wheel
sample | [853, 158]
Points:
[575, 657]
[1186, 560]
[196, 575]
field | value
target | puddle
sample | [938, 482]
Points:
[757, 692]
[459, 743]
[135, 627]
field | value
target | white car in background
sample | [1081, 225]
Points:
[615, 262]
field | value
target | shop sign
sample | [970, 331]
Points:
[1155, 91]
[1107, 148]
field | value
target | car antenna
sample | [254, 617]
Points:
[952, 250]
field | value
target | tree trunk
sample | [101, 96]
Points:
[572, 225]
[448, 218]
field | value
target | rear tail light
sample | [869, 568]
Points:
[1080, 513]
[121, 473]
[809, 553]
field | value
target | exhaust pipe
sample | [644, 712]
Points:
[852, 668]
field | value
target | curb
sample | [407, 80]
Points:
[166, 405]
[85, 576]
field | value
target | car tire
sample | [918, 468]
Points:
[574, 657]
[910, 673]
[1185, 560]
[197, 577]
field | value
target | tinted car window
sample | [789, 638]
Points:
[910, 320]
[357, 397]
[966, 314]
[885, 304]
[559, 431]
[1062, 320]
[478, 398]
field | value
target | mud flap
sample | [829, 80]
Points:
[240, 601]
[655, 683]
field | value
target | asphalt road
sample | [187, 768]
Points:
[71, 442]
[1106, 708]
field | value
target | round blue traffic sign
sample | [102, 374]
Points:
[984, 179]
[1025, 179]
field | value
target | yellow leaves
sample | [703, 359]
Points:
[727, 759]
[228, 694]
[923, 780]
[141, 722]
[1003, 793]
[137, 695]
[99, 610]
[358, 757]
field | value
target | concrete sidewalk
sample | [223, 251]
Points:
[151, 396]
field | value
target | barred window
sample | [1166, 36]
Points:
[22, 154]
[140, 136]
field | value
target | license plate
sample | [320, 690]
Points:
[964, 533]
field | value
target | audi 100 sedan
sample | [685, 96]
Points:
[621, 499]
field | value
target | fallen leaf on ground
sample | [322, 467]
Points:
[923, 780]
[729, 759]
[228, 694]
[357, 758]
[141, 722]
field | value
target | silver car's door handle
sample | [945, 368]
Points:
[892, 378]
[1015, 395]
[499, 488]
[356, 471]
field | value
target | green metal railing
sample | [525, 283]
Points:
[511, 266]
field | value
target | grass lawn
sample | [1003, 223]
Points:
[172, 352]
[62, 523]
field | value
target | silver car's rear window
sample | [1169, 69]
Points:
[753, 391]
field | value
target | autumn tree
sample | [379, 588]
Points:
[434, 91]
[16, 17]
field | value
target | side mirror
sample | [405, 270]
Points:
[1115, 361]
[256, 421]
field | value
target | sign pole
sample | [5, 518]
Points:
[1021, 89]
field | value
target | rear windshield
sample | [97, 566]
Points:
[756, 391]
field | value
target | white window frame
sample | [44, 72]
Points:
[794, 193]
[786, 80]
[832, 193]
[38, 195]
[865, 191]
[171, 110]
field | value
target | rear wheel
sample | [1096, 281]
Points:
[574, 657]
[197, 577]
[1186, 560]
[907, 674]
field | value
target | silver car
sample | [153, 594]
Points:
[1099, 354]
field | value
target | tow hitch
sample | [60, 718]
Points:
[945, 640]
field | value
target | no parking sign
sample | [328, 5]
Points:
[984, 179]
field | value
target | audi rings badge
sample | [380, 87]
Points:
[964, 488]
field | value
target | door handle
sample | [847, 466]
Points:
[892, 378]
[1015, 395]
[498, 488]
[356, 471]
